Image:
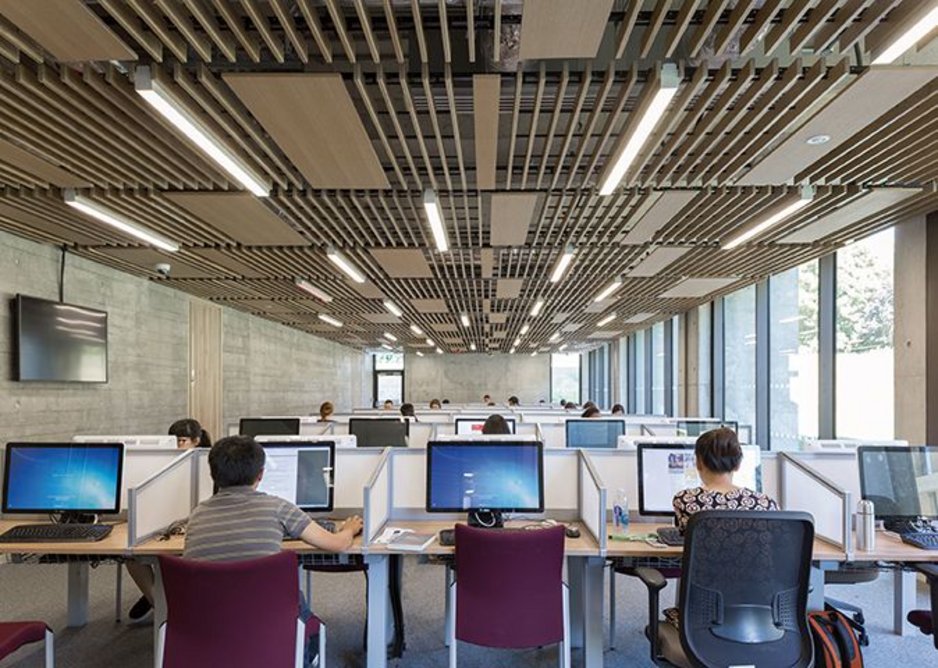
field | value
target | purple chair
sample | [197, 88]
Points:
[235, 613]
[13, 635]
[509, 590]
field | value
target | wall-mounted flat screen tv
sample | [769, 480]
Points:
[58, 342]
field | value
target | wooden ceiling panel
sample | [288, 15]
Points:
[486, 89]
[658, 260]
[43, 169]
[313, 120]
[509, 288]
[56, 231]
[858, 209]
[563, 28]
[510, 217]
[240, 216]
[147, 258]
[429, 305]
[697, 287]
[664, 207]
[402, 262]
[225, 260]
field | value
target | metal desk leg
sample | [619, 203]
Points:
[77, 593]
[575, 581]
[377, 610]
[593, 569]
[903, 593]
[816, 589]
[159, 613]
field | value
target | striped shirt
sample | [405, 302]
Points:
[241, 523]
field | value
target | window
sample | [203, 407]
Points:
[640, 406]
[739, 356]
[704, 360]
[793, 357]
[676, 361]
[598, 376]
[389, 377]
[864, 362]
[565, 377]
[658, 381]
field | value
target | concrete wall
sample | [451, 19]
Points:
[911, 329]
[465, 378]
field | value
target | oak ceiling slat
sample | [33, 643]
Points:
[653, 28]
[259, 19]
[338, 22]
[559, 97]
[146, 10]
[563, 28]
[300, 46]
[38, 166]
[131, 22]
[240, 216]
[249, 41]
[222, 40]
[573, 125]
[398, 130]
[624, 32]
[184, 24]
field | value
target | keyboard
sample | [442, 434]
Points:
[447, 537]
[670, 536]
[55, 533]
[328, 525]
[922, 539]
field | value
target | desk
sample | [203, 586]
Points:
[115, 545]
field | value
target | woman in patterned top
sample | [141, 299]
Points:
[718, 456]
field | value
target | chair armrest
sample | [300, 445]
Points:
[650, 577]
[929, 570]
[655, 582]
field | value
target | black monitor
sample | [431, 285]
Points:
[698, 427]
[62, 477]
[594, 433]
[467, 426]
[269, 426]
[664, 469]
[379, 432]
[902, 482]
[300, 472]
[485, 478]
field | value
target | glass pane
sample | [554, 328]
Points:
[704, 360]
[389, 361]
[657, 369]
[793, 362]
[865, 382]
[676, 366]
[739, 355]
[640, 372]
[623, 369]
[391, 386]
[565, 377]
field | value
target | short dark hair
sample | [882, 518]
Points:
[513, 400]
[718, 450]
[189, 428]
[618, 408]
[236, 461]
[407, 410]
[496, 424]
[591, 411]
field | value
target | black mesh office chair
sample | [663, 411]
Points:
[743, 595]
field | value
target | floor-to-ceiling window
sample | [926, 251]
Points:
[565, 377]
[658, 380]
[739, 356]
[704, 361]
[640, 406]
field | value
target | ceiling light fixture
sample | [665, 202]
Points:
[555, 337]
[909, 38]
[393, 308]
[525, 328]
[332, 321]
[562, 263]
[308, 287]
[534, 354]
[389, 336]
[562, 348]
[161, 99]
[464, 319]
[536, 309]
[435, 217]
[517, 342]
[817, 140]
[416, 330]
[386, 346]
[651, 108]
[430, 342]
[605, 321]
[807, 194]
[512, 351]
[342, 263]
[607, 291]
[439, 352]
[472, 347]
[117, 221]
[419, 354]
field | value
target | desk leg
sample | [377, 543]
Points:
[377, 610]
[159, 614]
[816, 591]
[593, 569]
[903, 593]
[576, 582]
[77, 594]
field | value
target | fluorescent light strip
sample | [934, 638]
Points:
[525, 329]
[909, 38]
[554, 338]
[667, 89]
[386, 346]
[536, 309]
[771, 221]
[118, 222]
[416, 330]
[464, 319]
[472, 347]
[512, 351]
[517, 342]
[534, 354]
[332, 321]
[430, 342]
[393, 308]
[342, 263]
[562, 348]
[435, 217]
[389, 336]
[608, 290]
[419, 354]
[562, 263]
[605, 321]
[306, 286]
[439, 352]
[163, 101]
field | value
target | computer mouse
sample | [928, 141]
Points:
[571, 532]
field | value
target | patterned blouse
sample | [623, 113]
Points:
[689, 501]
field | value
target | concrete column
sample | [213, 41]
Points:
[916, 323]
[689, 364]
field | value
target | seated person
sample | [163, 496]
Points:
[592, 412]
[407, 410]
[388, 405]
[496, 424]
[189, 434]
[618, 409]
[326, 409]
[513, 401]
[435, 404]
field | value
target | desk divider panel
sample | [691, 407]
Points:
[204, 485]
[354, 468]
[803, 488]
[377, 499]
[311, 426]
[592, 500]
[165, 497]
[420, 433]
[554, 435]
[140, 464]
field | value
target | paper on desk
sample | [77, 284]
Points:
[390, 533]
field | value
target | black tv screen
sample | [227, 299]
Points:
[59, 342]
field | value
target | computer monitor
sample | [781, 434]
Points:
[269, 426]
[485, 478]
[902, 482]
[301, 473]
[62, 477]
[379, 432]
[466, 426]
[698, 427]
[664, 469]
[594, 433]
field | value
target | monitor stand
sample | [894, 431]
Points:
[486, 519]
[909, 525]
[73, 517]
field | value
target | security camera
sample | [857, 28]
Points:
[162, 268]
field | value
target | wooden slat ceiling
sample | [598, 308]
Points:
[353, 108]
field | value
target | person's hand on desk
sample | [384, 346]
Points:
[339, 541]
[353, 524]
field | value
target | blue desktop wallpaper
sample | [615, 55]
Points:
[63, 478]
[491, 477]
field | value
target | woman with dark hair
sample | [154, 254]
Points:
[618, 409]
[496, 424]
[407, 410]
[326, 409]
[513, 401]
[591, 412]
[189, 434]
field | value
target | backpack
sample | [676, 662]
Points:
[835, 643]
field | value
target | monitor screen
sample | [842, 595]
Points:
[60, 477]
[301, 473]
[698, 427]
[594, 433]
[664, 469]
[469, 426]
[380, 432]
[474, 476]
[59, 342]
[269, 426]
[902, 482]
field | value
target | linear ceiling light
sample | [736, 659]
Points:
[667, 82]
[342, 263]
[419, 354]
[416, 330]
[562, 348]
[332, 321]
[807, 194]
[435, 217]
[472, 347]
[608, 290]
[555, 337]
[512, 351]
[392, 308]
[562, 263]
[605, 321]
[117, 221]
[439, 351]
[308, 287]
[161, 99]
[534, 354]
[464, 319]
[386, 346]
[536, 309]
[430, 342]
[517, 342]
[389, 336]
[909, 38]
[525, 329]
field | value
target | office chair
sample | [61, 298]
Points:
[240, 614]
[14, 635]
[509, 590]
[924, 619]
[743, 594]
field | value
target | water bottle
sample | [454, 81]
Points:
[866, 526]
[620, 513]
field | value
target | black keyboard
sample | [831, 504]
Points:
[447, 537]
[54, 533]
[670, 536]
[922, 539]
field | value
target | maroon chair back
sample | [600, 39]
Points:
[509, 586]
[233, 614]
